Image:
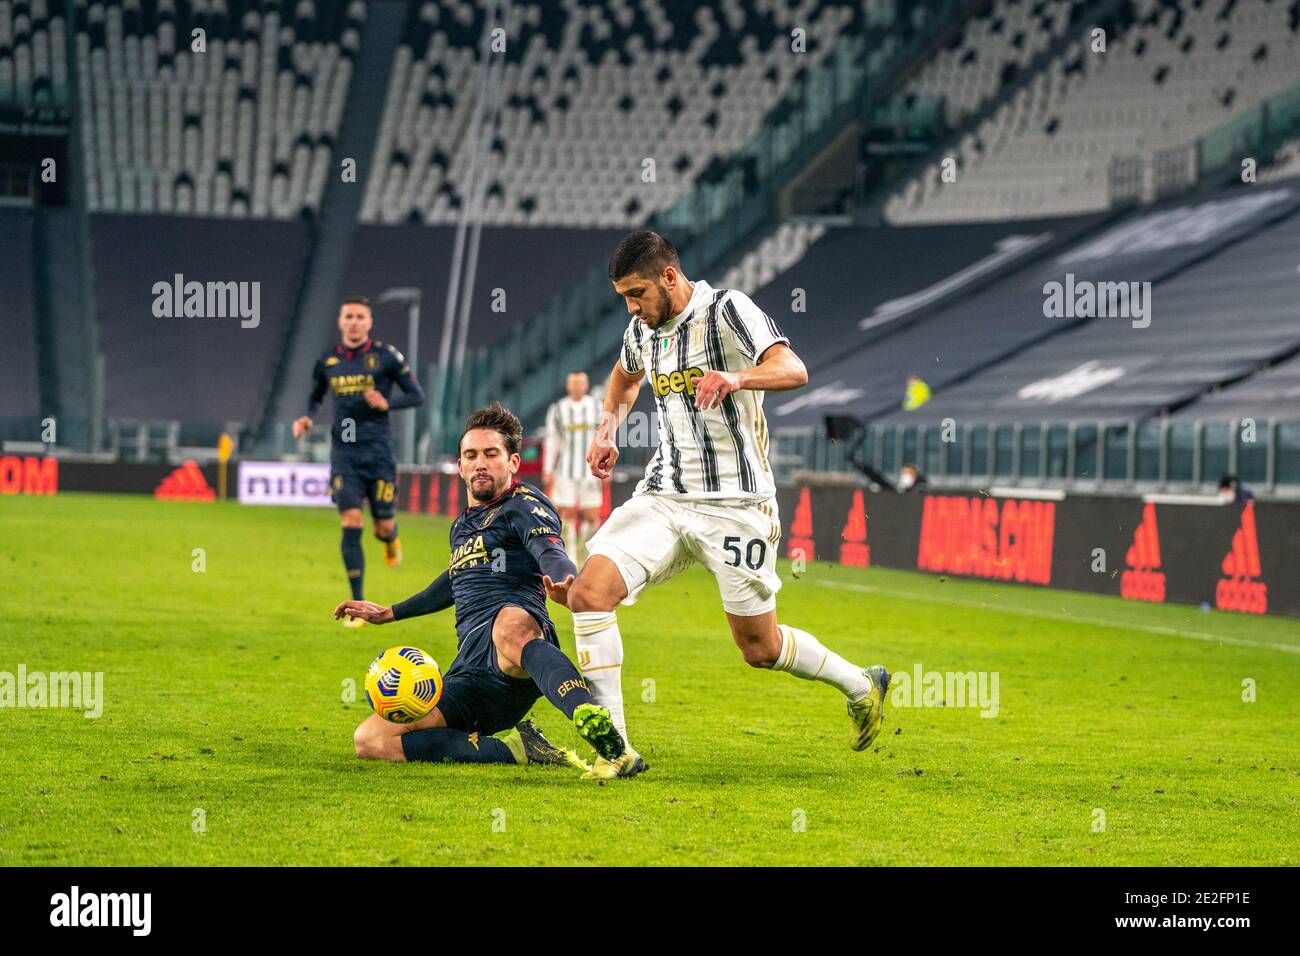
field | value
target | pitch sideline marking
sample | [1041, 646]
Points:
[1099, 622]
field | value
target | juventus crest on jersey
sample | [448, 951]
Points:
[570, 427]
[722, 452]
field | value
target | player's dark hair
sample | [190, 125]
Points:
[642, 253]
[500, 419]
[355, 300]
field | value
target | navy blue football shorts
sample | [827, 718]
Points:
[355, 477]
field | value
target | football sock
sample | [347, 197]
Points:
[804, 656]
[354, 559]
[440, 744]
[571, 539]
[600, 654]
[555, 676]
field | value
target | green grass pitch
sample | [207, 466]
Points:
[225, 738]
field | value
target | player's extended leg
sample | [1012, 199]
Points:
[522, 652]
[597, 590]
[354, 558]
[383, 514]
[386, 531]
[766, 644]
[428, 739]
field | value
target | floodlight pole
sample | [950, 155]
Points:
[411, 297]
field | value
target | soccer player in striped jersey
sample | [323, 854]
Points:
[708, 495]
[570, 426]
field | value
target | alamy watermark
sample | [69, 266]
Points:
[179, 299]
[130, 910]
[75, 690]
[922, 688]
[1084, 299]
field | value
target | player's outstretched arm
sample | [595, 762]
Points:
[558, 569]
[436, 597]
[367, 611]
[779, 369]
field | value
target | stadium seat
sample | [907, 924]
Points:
[1176, 71]
[267, 94]
[576, 103]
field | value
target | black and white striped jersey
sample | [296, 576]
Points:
[570, 427]
[720, 453]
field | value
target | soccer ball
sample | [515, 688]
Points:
[403, 684]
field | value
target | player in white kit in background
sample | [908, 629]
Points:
[708, 495]
[578, 495]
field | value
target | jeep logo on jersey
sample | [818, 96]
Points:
[683, 381]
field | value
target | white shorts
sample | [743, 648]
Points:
[585, 494]
[651, 538]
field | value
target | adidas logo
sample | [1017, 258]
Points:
[801, 530]
[186, 483]
[1144, 581]
[1239, 589]
[854, 550]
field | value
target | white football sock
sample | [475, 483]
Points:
[804, 656]
[600, 658]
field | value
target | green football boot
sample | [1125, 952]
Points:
[868, 714]
[594, 725]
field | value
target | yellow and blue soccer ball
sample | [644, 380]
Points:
[403, 684]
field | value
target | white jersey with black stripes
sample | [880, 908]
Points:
[721, 453]
[570, 426]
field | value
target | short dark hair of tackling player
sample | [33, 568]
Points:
[501, 420]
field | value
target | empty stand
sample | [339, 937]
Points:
[1179, 70]
[590, 91]
[886, 278]
[1211, 323]
[1273, 392]
[243, 129]
[20, 399]
[990, 52]
[33, 55]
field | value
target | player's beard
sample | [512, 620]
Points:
[485, 492]
[664, 308]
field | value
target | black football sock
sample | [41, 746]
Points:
[354, 559]
[555, 676]
[442, 744]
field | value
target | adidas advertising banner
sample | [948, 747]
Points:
[1237, 557]
[41, 475]
[1229, 557]
[284, 483]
